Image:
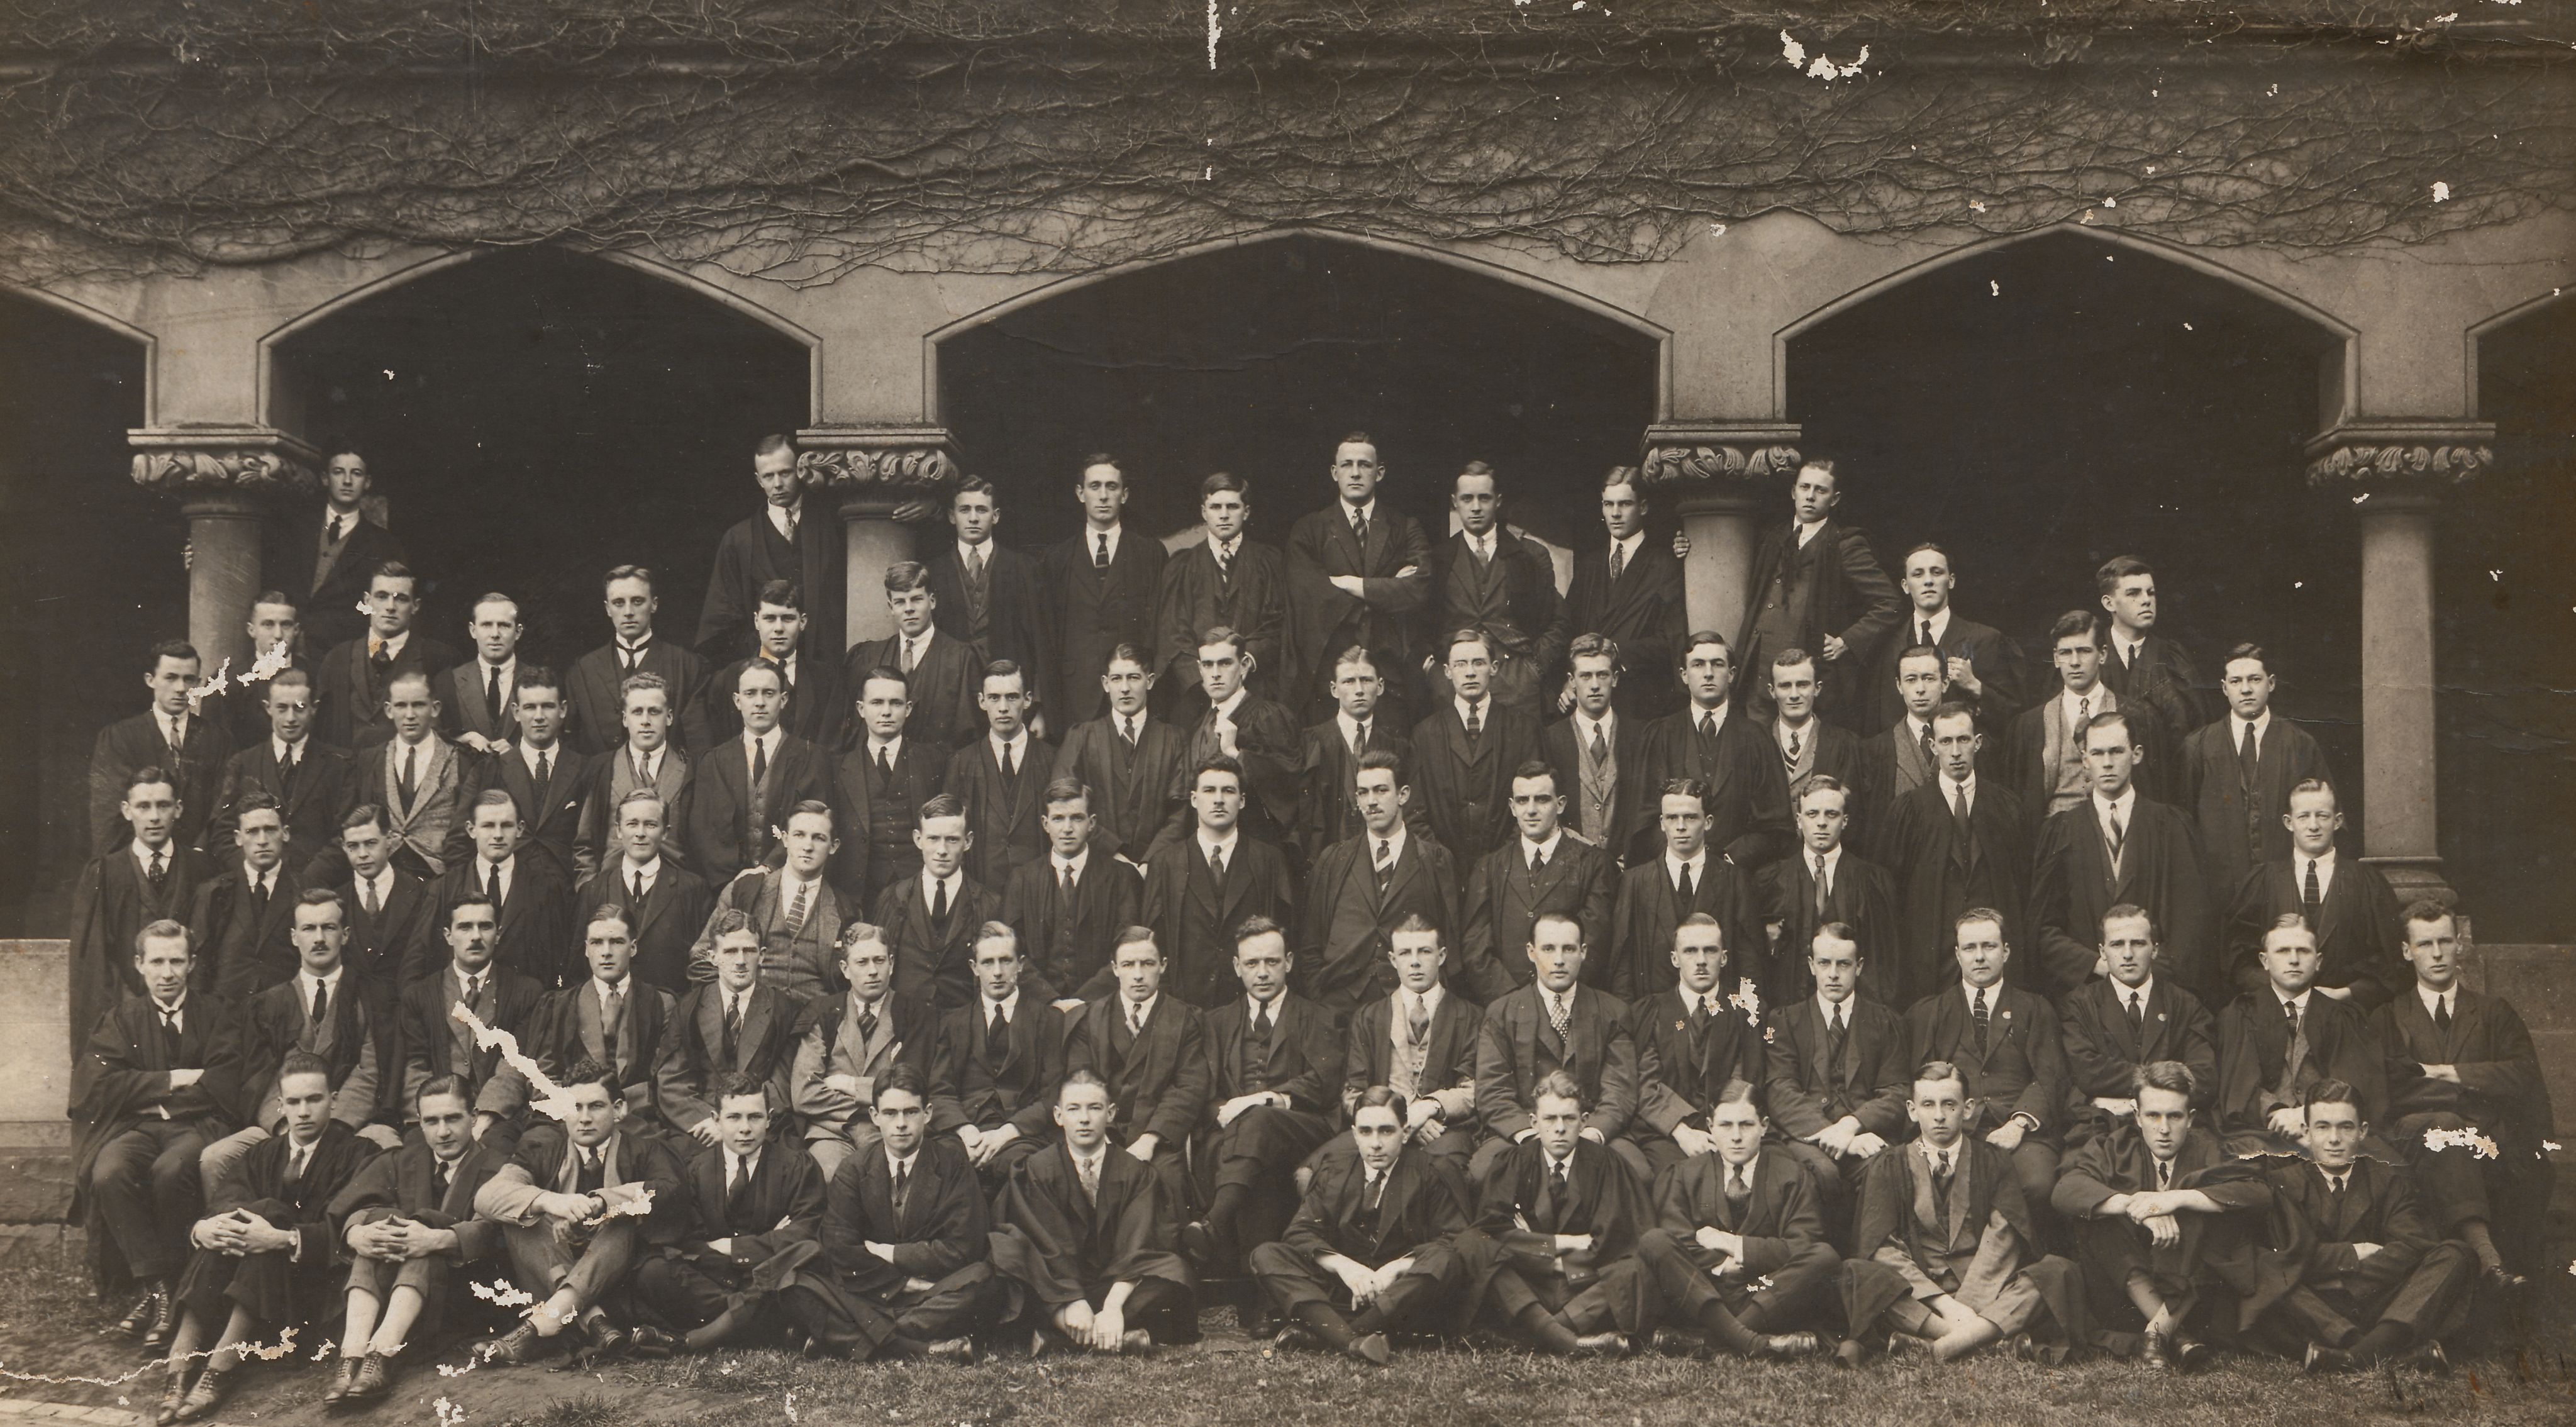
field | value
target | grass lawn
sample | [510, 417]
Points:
[49, 1323]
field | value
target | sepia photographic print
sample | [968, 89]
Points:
[769, 712]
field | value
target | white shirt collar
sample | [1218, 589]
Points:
[169, 854]
[528, 753]
[1915, 728]
[2325, 865]
[1225, 712]
[2300, 1000]
[2144, 991]
[1628, 549]
[1139, 1011]
[2236, 728]
[768, 741]
[1940, 621]
[2073, 704]
[1967, 786]
[651, 759]
[1697, 863]
[1091, 538]
[900, 1164]
[509, 871]
[393, 643]
[286, 752]
[1807, 530]
[308, 980]
[1017, 745]
[1430, 1001]
[1210, 843]
[892, 748]
[918, 644]
[509, 672]
[966, 552]
[265, 881]
[1080, 860]
[383, 882]
[779, 515]
[1367, 510]
[1553, 1001]
[629, 871]
[1253, 1006]
[1956, 1155]
[178, 1008]
[730, 998]
[1394, 841]
[1833, 862]
[1484, 708]
[1010, 1005]
[1695, 713]
[1828, 1009]
[2433, 999]
[1607, 726]
[601, 989]
[1350, 726]
[2122, 807]
[744, 1165]
[930, 886]
[1545, 849]
[1780, 732]
[1225, 550]
[1994, 996]
[636, 649]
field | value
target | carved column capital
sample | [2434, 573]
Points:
[1721, 460]
[871, 470]
[2399, 462]
[200, 462]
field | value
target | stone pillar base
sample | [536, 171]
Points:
[879, 477]
[1720, 475]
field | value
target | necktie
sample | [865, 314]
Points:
[1359, 743]
[159, 871]
[2248, 763]
[911, 653]
[2334, 1197]
[492, 882]
[902, 1185]
[410, 773]
[2442, 1014]
[1088, 1166]
[1256, 1047]
[259, 900]
[2119, 835]
[796, 908]
[1359, 526]
[975, 562]
[1475, 721]
[1824, 891]
[1959, 807]
[1127, 728]
[793, 520]
[1600, 747]
[1560, 1014]
[1100, 557]
[334, 535]
[1737, 1189]
[643, 771]
[170, 1036]
[1985, 1019]
[380, 654]
[321, 1001]
[1556, 1172]
[867, 1026]
[1925, 742]
[1941, 1176]
[1926, 640]
[1135, 1019]
[1216, 866]
[2137, 1017]
[1417, 1020]
[1000, 1029]
[178, 739]
[2297, 1054]
[1538, 862]
[492, 693]
[2311, 897]
[1007, 769]
[612, 1014]
[939, 901]
[1618, 560]
[295, 1163]
[1683, 892]
[438, 1181]
[474, 991]
[732, 1027]
[628, 656]
[545, 777]
[737, 1179]
[637, 888]
[1064, 883]
[1376, 1192]
[2164, 1174]
[759, 761]
[1699, 1013]
[1222, 555]
[1385, 863]
[587, 1176]
[1708, 725]
[1837, 1038]
[367, 896]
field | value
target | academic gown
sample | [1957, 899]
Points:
[934, 961]
[277, 1291]
[2103, 1051]
[1425, 1203]
[349, 688]
[944, 685]
[1621, 817]
[1645, 612]
[143, 741]
[2358, 927]
[1001, 618]
[1861, 895]
[1248, 596]
[1056, 1245]
[595, 692]
[1465, 785]
[2241, 828]
[1748, 801]
[692, 1052]
[1520, 1214]
[1068, 948]
[113, 901]
[326, 596]
[1006, 813]
[122, 1077]
[1132, 784]
[989, 1081]
[1940, 872]
[750, 555]
[1394, 570]
[2073, 884]
[1194, 920]
[1637, 960]
[1084, 612]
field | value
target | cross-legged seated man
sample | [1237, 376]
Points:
[262, 1260]
[1086, 1237]
[1275, 1074]
[751, 1201]
[1369, 1251]
[1947, 1254]
[1738, 1249]
[408, 1222]
[572, 1204]
[1557, 1218]
[2144, 1197]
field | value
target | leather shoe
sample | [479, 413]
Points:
[2504, 1284]
[375, 1379]
[139, 1318]
[2158, 1351]
[647, 1341]
[2322, 1359]
[1849, 1353]
[1137, 1341]
[1674, 1343]
[1370, 1348]
[952, 1350]
[1199, 1242]
[1786, 1346]
[521, 1346]
[344, 1375]
[165, 1324]
[2429, 1357]
[1601, 1345]
[204, 1396]
[172, 1400]
[2189, 1354]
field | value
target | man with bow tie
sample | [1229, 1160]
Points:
[577, 1204]
[744, 1212]
[1369, 1251]
[357, 677]
[1738, 1247]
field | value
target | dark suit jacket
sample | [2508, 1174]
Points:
[1633, 807]
[1862, 896]
[276, 1022]
[751, 554]
[1194, 925]
[1158, 1082]
[920, 771]
[239, 953]
[1011, 625]
[1006, 815]
[1325, 812]
[1780, 1218]
[1748, 804]
[2102, 1052]
[2021, 1071]
[1637, 959]
[975, 1080]
[692, 1051]
[1850, 596]
[1059, 1245]
[595, 692]
[1068, 949]
[2501, 1087]
[397, 1185]
[327, 606]
[780, 1206]
[1448, 1056]
[2160, 869]
[538, 937]
[1250, 598]
[548, 830]
[1939, 874]
[944, 687]
[1518, 1045]
[933, 964]
[243, 707]
[714, 836]
[1304, 1064]
[1348, 921]
[556, 1039]
[1645, 611]
[1683, 1068]
[941, 1228]
[2253, 1044]
[1464, 787]
[112, 902]
[1505, 900]
[426, 1031]
[2380, 1205]
[1323, 621]
[349, 691]
[1529, 629]
[1996, 659]
[1602, 1199]
[1132, 786]
[1425, 1202]
[122, 1076]
[818, 704]
[325, 786]
[1870, 1084]
[2358, 927]
[1084, 613]
[461, 707]
[142, 741]
[665, 927]
[2165, 684]
[1268, 745]
[402, 941]
[2238, 832]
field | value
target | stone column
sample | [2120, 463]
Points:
[1723, 477]
[2396, 473]
[224, 478]
[880, 478]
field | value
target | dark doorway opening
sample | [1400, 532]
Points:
[2042, 407]
[88, 562]
[1257, 359]
[2505, 590]
[536, 417]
